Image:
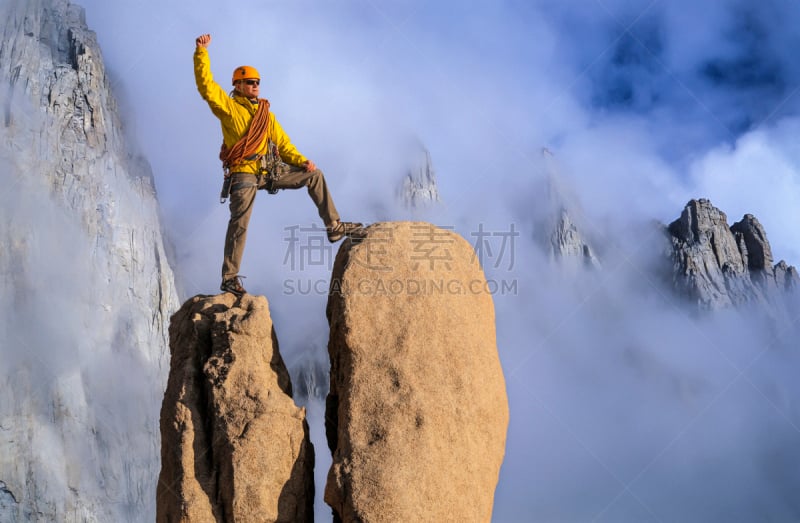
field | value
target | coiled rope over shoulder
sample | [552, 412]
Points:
[247, 146]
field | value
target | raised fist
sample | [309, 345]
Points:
[203, 40]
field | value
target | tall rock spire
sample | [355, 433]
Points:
[417, 413]
[235, 447]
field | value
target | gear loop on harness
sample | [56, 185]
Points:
[272, 167]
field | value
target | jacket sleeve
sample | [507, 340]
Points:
[288, 151]
[211, 91]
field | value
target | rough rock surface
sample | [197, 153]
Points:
[417, 413]
[235, 446]
[719, 266]
[86, 289]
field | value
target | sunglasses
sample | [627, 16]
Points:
[252, 82]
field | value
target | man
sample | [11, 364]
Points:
[247, 130]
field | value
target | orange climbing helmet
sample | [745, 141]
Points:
[244, 72]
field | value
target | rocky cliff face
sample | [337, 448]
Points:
[235, 447]
[417, 412]
[85, 286]
[716, 265]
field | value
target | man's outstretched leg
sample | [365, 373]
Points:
[298, 177]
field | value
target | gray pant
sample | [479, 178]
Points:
[243, 193]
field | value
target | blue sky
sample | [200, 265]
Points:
[644, 104]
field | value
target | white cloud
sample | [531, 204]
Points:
[760, 175]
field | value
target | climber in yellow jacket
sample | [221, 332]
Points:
[248, 128]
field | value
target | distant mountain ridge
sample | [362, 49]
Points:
[709, 263]
[418, 188]
[716, 265]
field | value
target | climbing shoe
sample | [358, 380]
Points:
[343, 229]
[233, 285]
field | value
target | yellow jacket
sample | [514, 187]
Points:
[235, 113]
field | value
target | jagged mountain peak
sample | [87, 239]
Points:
[559, 222]
[418, 187]
[50, 54]
[717, 265]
